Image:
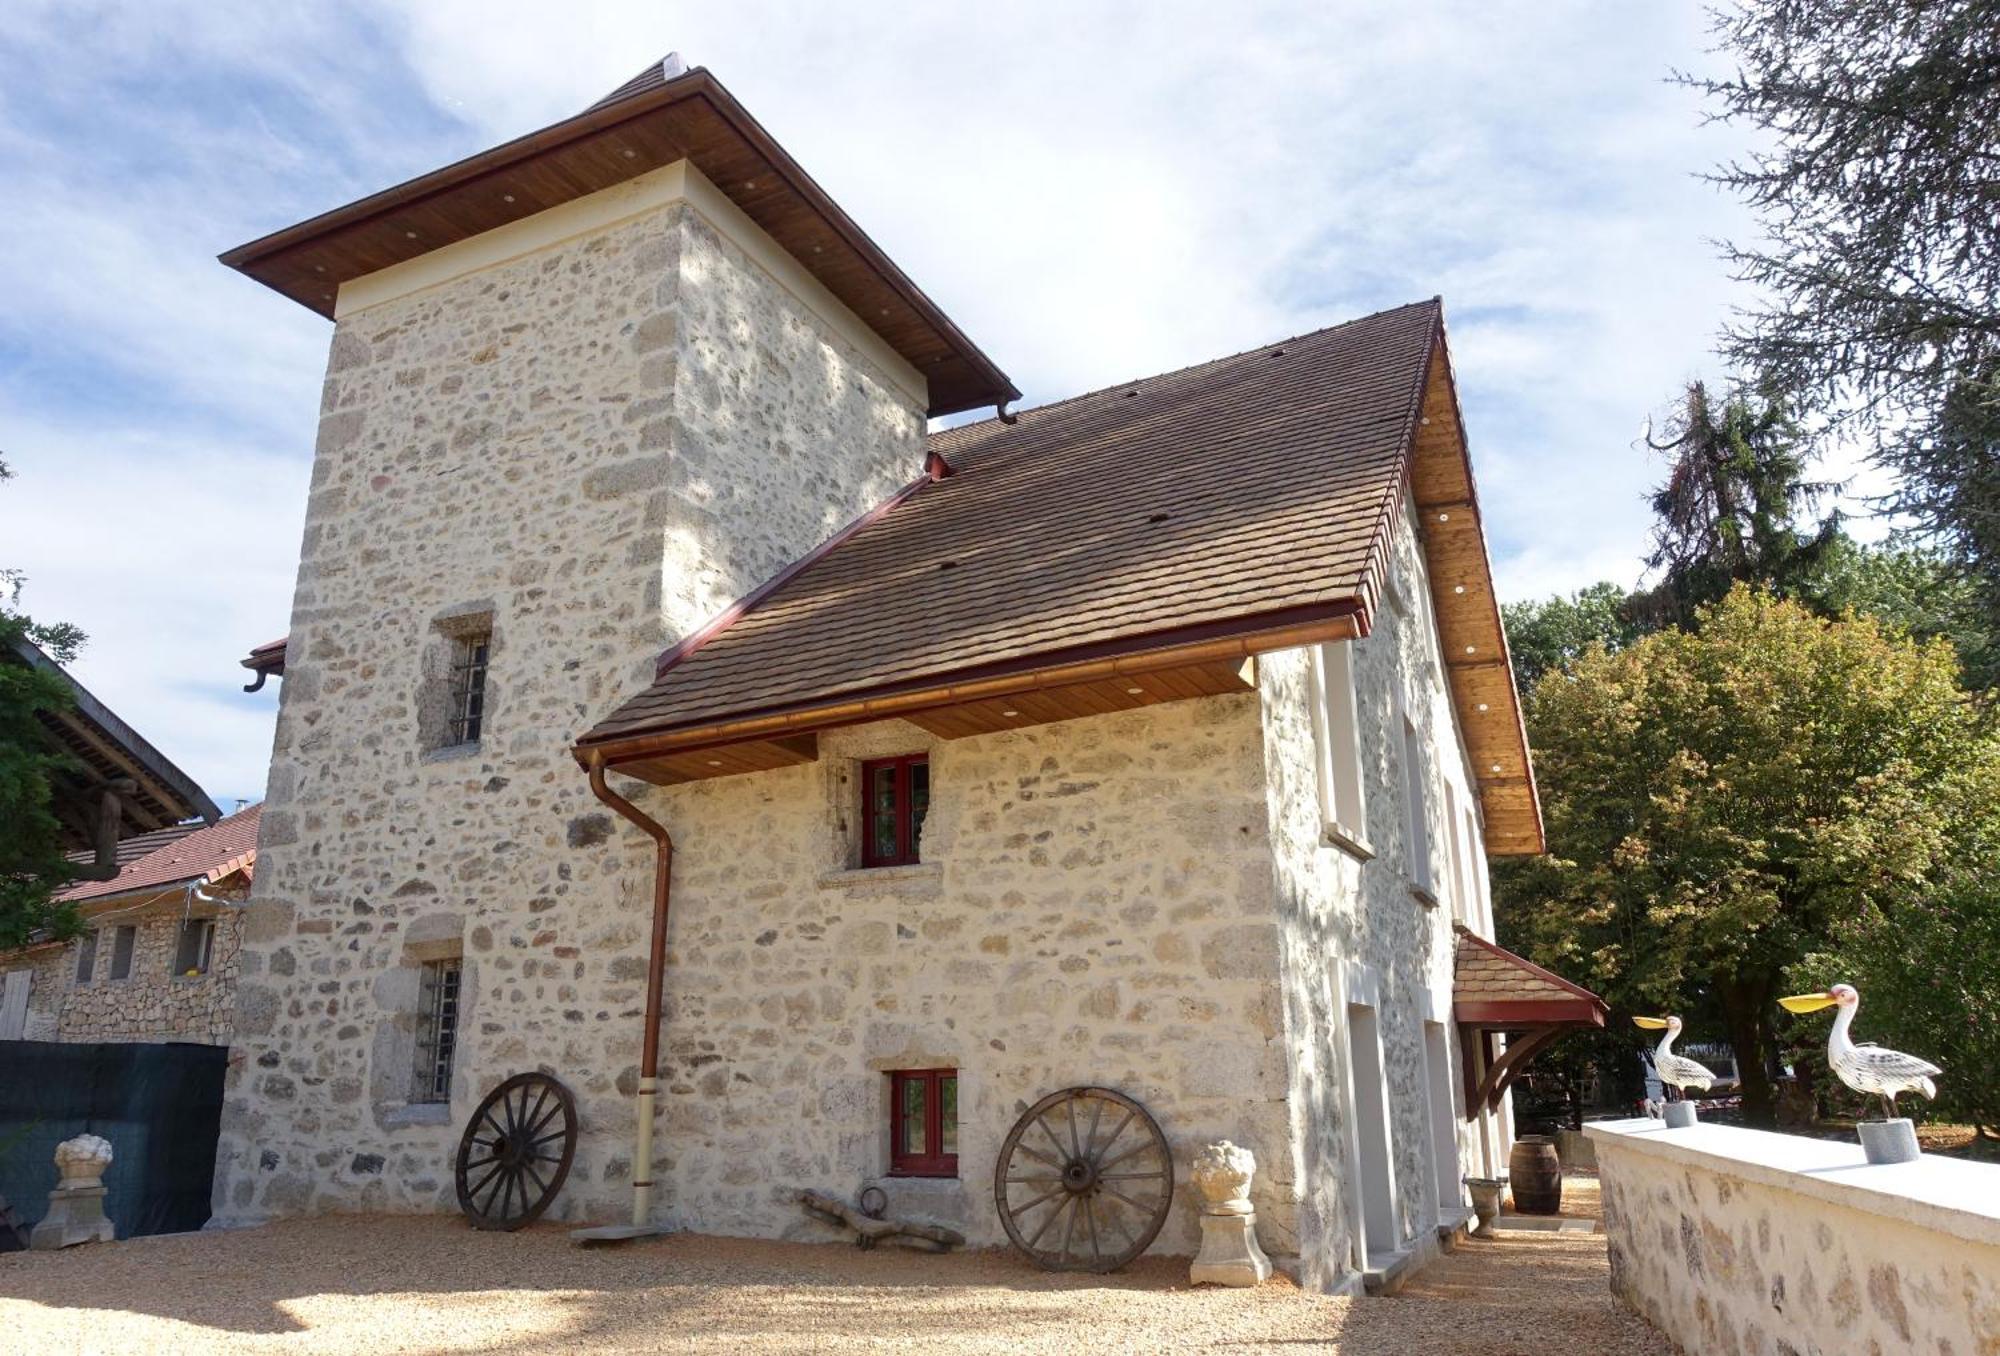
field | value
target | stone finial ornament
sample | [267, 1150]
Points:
[82, 1161]
[76, 1206]
[1229, 1255]
[1221, 1173]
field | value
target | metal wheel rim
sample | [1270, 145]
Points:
[515, 1153]
[1084, 1180]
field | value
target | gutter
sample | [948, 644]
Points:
[649, 1055]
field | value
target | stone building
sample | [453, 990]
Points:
[1154, 739]
[157, 960]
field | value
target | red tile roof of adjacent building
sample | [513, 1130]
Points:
[201, 853]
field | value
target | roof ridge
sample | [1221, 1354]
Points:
[1434, 300]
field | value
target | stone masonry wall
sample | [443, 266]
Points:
[1093, 908]
[1723, 1260]
[1336, 910]
[152, 1003]
[596, 447]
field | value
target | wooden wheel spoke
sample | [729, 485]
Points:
[1061, 1152]
[473, 1190]
[1054, 1215]
[1020, 1210]
[1116, 1193]
[1069, 1230]
[1132, 1152]
[1131, 1176]
[1090, 1218]
[1090, 1135]
[541, 1183]
[1075, 1144]
[1039, 1156]
[1112, 1138]
[1037, 1177]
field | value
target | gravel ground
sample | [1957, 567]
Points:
[429, 1285]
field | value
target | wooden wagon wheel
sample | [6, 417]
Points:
[1084, 1180]
[516, 1152]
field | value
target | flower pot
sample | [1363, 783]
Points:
[1486, 1201]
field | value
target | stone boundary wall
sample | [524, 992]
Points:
[1736, 1240]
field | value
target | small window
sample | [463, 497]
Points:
[923, 1123]
[122, 942]
[1337, 733]
[1418, 827]
[437, 1030]
[895, 795]
[195, 948]
[86, 957]
[1461, 880]
[468, 686]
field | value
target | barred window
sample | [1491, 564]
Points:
[468, 686]
[195, 948]
[437, 1030]
[86, 957]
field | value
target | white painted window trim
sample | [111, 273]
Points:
[1416, 812]
[1336, 712]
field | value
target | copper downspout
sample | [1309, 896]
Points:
[656, 965]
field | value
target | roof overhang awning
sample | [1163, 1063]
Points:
[1036, 690]
[1495, 991]
[667, 114]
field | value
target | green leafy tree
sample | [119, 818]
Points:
[1734, 508]
[1549, 635]
[1927, 962]
[32, 865]
[1879, 250]
[1918, 590]
[1718, 799]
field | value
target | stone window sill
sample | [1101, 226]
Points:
[1423, 895]
[1348, 841]
[452, 753]
[922, 875]
[416, 1113]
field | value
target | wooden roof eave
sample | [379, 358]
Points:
[1466, 604]
[1339, 619]
[263, 258]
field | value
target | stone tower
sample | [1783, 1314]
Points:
[554, 446]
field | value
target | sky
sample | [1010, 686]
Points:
[1094, 192]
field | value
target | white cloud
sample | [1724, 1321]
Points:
[1094, 193]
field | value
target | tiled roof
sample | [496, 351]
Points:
[204, 853]
[1249, 485]
[1487, 973]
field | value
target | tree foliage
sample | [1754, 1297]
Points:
[1880, 253]
[32, 865]
[1717, 799]
[1547, 636]
[1734, 508]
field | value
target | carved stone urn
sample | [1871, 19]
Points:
[76, 1206]
[1229, 1251]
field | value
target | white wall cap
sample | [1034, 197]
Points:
[1951, 1195]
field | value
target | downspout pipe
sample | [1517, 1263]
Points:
[656, 965]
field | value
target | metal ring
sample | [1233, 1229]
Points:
[874, 1202]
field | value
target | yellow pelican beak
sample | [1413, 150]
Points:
[1807, 1002]
[1651, 1023]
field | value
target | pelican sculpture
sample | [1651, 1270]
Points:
[1867, 1068]
[1676, 1071]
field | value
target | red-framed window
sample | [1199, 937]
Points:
[923, 1123]
[895, 793]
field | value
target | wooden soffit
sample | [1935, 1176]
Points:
[1477, 664]
[691, 117]
[976, 703]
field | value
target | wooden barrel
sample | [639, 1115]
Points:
[1536, 1176]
